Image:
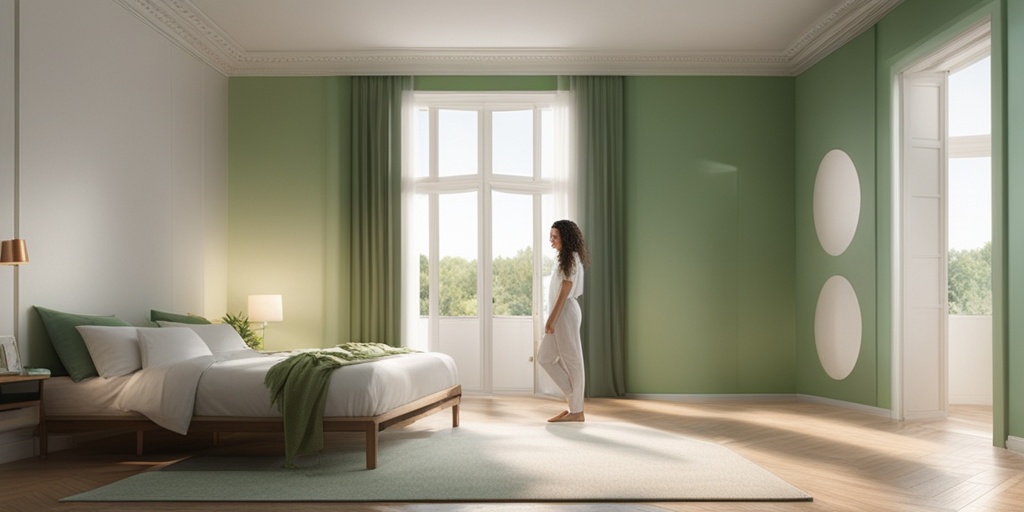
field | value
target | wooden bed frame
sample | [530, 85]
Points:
[371, 425]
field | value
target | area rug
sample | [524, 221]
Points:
[592, 461]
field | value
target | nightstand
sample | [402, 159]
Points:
[10, 401]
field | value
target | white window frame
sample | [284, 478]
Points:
[485, 182]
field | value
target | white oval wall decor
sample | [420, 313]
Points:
[836, 202]
[837, 327]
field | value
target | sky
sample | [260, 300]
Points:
[970, 179]
[512, 148]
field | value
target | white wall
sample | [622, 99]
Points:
[6, 156]
[123, 196]
[123, 167]
[123, 170]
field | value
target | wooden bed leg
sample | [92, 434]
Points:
[138, 442]
[372, 432]
[216, 438]
[455, 415]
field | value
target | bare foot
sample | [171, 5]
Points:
[558, 417]
[569, 416]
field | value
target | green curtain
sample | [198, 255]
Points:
[376, 209]
[598, 111]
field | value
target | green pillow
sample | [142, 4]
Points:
[155, 316]
[68, 343]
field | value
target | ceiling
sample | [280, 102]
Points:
[510, 37]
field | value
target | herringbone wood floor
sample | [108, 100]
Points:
[849, 461]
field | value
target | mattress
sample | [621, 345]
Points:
[366, 389]
[90, 397]
[233, 387]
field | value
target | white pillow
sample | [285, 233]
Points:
[219, 337]
[114, 350]
[170, 345]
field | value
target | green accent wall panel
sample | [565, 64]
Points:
[835, 103]
[688, 338]
[765, 336]
[288, 184]
[766, 242]
[709, 199]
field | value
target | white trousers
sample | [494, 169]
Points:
[561, 355]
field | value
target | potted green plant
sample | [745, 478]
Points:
[241, 324]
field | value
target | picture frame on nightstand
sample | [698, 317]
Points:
[10, 356]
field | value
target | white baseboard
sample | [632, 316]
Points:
[713, 398]
[1015, 444]
[867, 409]
[762, 397]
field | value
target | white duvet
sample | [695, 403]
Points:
[230, 384]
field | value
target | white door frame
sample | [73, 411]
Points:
[967, 46]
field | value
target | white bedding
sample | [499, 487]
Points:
[231, 385]
[90, 397]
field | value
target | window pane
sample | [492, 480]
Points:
[422, 147]
[456, 142]
[970, 202]
[547, 143]
[512, 266]
[457, 229]
[547, 218]
[421, 241]
[970, 235]
[512, 143]
[970, 100]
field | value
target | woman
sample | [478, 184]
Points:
[561, 350]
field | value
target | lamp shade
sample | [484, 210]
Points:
[13, 252]
[265, 308]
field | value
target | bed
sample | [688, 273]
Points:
[218, 387]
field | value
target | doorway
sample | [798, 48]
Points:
[479, 198]
[944, 166]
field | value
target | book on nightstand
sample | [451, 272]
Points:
[37, 371]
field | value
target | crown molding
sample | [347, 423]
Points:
[186, 26]
[847, 21]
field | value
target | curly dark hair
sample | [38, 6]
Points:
[572, 242]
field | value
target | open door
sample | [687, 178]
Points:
[923, 245]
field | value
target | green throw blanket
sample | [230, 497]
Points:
[298, 385]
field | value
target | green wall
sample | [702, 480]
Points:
[835, 102]
[709, 235]
[288, 209]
